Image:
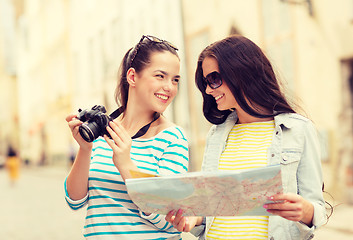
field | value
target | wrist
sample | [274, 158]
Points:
[124, 169]
[308, 215]
[84, 152]
[85, 148]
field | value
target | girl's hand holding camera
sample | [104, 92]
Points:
[120, 142]
[74, 125]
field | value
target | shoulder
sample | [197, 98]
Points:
[167, 129]
[173, 132]
[292, 120]
[172, 137]
[296, 126]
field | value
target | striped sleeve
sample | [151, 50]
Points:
[158, 221]
[174, 160]
[74, 204]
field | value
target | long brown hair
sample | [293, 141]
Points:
[248, 74]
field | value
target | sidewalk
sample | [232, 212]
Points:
[35, 208]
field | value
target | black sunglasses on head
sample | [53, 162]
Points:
[213, 79]
[144, 39]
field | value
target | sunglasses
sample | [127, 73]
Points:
[145, 39]
[213, 79]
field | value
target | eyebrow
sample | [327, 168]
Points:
[165, 73]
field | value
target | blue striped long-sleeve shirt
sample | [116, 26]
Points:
[110, 211]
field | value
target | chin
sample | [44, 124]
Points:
[222, 109]
[160, 109]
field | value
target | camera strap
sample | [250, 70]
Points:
[142, 130]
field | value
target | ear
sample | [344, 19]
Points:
[131, 77]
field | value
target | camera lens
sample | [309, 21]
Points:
[89, 131]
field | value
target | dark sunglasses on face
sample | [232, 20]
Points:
[145, 39]
[213, 79]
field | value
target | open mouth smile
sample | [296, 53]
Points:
[161, 96]
[218, 97]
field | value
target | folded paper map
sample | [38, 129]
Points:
[222, 193]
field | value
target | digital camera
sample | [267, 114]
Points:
[94, 123]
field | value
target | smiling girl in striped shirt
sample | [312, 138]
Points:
[149, 77]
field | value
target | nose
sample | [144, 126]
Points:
[208, 89]
[167, 86]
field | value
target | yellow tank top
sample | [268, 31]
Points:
[246, 148]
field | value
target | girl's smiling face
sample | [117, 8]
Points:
[157, 84]
[223, 96]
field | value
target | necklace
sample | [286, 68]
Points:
[142, 130]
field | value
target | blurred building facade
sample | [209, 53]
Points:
[68, 54]
[61, 55]
[9, 134]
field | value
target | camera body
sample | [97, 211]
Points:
[94, 123]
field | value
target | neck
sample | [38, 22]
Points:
[244, 117]
[133, 119]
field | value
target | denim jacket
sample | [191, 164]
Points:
[295, 146]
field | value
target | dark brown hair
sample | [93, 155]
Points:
[248, 74]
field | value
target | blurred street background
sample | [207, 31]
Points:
[57, 56]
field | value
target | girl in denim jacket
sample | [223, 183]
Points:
[253, 120]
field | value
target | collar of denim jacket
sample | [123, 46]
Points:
[288, 119]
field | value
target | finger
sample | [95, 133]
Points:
[122, 130]
[286, 197]
[70, 117]
[187, 227]
[74, 124]
[117, 130]
[124, 140]
[178, 216]
[285, 206]
[290, 215]
[295, 219]
[169, 216]
[282, 213]
[110, 142]
[181, 225]
[115, 137]
[189, 223]
[172, 219]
